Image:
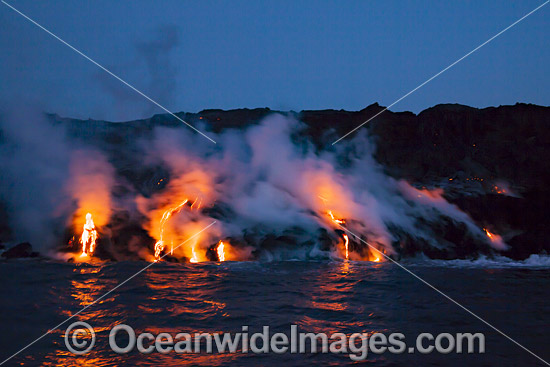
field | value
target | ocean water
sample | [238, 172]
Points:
[319, 296]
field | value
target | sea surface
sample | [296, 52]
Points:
[319, 296]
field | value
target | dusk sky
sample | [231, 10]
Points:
[287, 55]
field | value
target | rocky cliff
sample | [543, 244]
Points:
[492, 162]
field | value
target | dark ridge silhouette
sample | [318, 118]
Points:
[467, 151]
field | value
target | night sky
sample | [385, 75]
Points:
[193, 55]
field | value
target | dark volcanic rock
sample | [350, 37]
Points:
[445, 143]
[507, 142]
[22, 250]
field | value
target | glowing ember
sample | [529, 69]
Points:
[220, 251]
[346, 243]
[159, 246]
[499, 190]
[89, 236]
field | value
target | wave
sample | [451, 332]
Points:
[534, 261]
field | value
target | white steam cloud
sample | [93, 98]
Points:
[272, 193]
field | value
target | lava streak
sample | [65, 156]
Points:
[194, 259]
[330, 214]
[89, 236]
[346, 244]
[338, 222]
[220, 251]
[159, 246]
[491, 236]
[335, 220]
[495, 239]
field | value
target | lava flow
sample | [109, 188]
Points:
[194, 259]
[346, 239]
[492, 236]
[335, 220]
[220, 251]
[329, 212]
[89, 236]
[338, 222]
[500, 190]
[159, 246]
[495, 239]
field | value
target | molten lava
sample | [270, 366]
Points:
[159, 246]
[335, 220]
[495, 239]
[499, 190]
[491, 236]
[195, 202]
[194, 259]
[330, 214]
[346, 244]
[220, 251]
[338, 222]
[89, 236]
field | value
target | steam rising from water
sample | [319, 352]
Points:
[270, 191]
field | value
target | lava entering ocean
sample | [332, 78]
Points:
[159, 246]
[270, 192]
[346, 244]
[220, 251]
[89, 236]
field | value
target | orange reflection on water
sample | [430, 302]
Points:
[181, 291]
[88, 290]
[329, 294]
[330, 327]
[85, 292]
[62, 357]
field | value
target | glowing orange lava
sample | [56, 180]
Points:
[195, 202]
[220, 251]
[89, 236]
[194, 259]
[330, 214]
[336, 220]
[499, 190]
[495, 239]
[346, 243]
[159, 246]
[489, 234]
